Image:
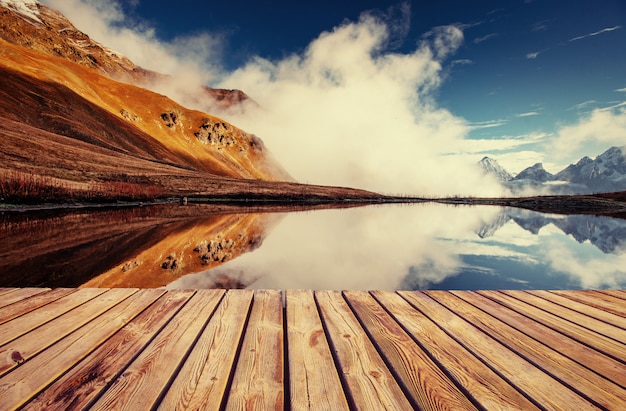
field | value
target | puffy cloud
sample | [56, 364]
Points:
[349, 112]
[600, 127]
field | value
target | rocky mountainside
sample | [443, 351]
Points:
[33, 25]
[65, 121]
[491, 166]
[606, 173]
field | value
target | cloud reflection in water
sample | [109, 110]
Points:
[428, 246]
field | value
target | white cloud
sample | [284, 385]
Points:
[528, 114]
[479, 40]
[621, 90]
[606, 30]
[602, 127]
[533, 55]
[348, 112]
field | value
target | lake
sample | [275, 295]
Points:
[389, 247]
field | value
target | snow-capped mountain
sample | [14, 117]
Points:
[491, 166]
[535, 173]
[606, 173]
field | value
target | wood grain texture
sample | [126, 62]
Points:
[27, 322]
[313, 378]
[53, 331]
[77, 388]
[369, 382]
[587, 310]
[31, 303]
[141, 384]
[242, 349]
[585, 382]
[13, 295]
[28, 379]
[582, 334]
[427, 386]
[202, 381]
[581, 353]
[596, 299]
[481, 382]
[522, 374]
[258, 380]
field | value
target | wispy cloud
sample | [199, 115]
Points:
[478, 125]
[533, 55]
[539, 26]
[595, 33]
[461, 62]
[621, 90]
[478, 40]
[528, 114]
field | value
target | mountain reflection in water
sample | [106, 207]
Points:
[376, 247]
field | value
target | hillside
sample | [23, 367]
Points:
[65, 121]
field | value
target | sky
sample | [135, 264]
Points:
[397, 97]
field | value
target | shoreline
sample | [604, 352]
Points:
[601, 204]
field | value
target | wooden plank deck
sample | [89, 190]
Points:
[298, 349]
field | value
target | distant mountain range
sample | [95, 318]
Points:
[605, 173]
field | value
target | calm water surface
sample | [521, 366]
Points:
[377, 247]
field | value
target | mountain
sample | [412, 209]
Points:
[492, 167]
[607, 173]
[33, 25]
[66, 120]
[535, 173]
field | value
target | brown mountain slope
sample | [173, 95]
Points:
[55, 35]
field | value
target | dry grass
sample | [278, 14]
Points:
[26, 188]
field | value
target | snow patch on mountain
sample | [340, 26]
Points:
[25, 8]
[492, 167]
[535, 173]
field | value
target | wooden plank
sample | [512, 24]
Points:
[78, 387]
[586, 310]
[480, 382]
[587, 383]
[143, 382]
[5, 290]
[29, 304]
[313, 379]
[535, 383]
[27, 380]
[19, 294]
[202, 381]
[31, 344]
[369, 383]
[608, 302]
[258, 382]
[427, 386]
[594, 360]
[621, 294]
[584, 335]
[22, 325]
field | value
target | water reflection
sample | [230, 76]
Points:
[382, 247]
[432, 246]
[139, 247]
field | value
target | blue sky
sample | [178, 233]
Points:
[522, 81]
